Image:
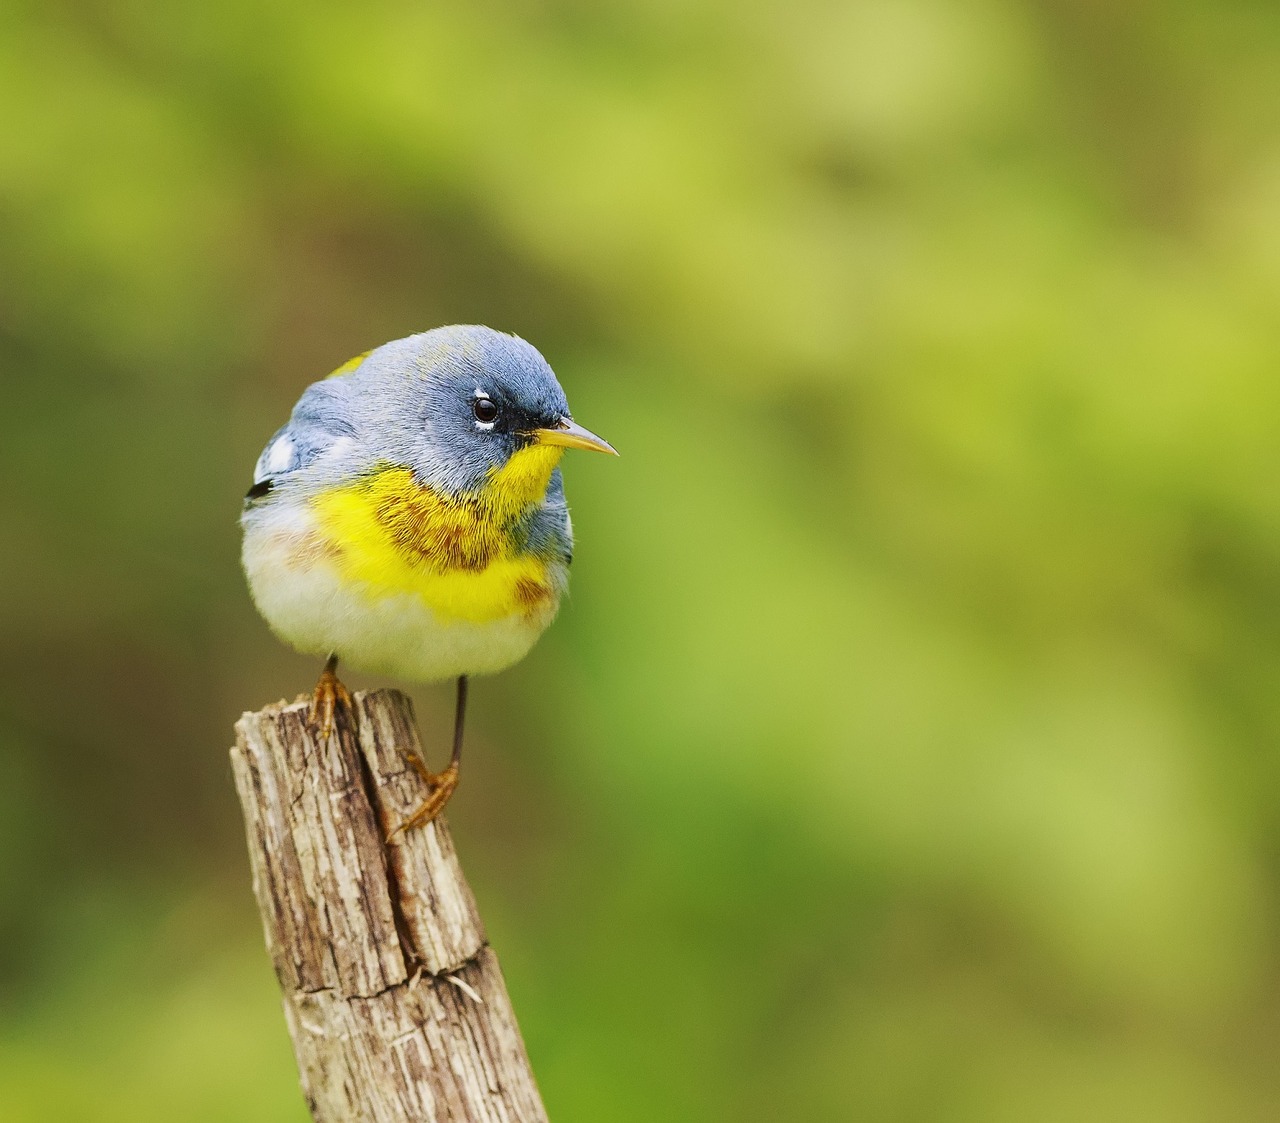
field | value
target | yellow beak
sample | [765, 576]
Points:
[569, 434]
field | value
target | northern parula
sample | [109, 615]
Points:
[410, 518]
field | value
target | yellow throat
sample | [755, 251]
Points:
[458, 552]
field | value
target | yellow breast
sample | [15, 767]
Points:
[390, 534]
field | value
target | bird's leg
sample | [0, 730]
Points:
[440, 785]
[328, 696]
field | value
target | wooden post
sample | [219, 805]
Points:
[392, 995]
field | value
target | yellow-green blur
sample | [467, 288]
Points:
[907, 747]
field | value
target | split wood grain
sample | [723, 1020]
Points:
[395, 1002]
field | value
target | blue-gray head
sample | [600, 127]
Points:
[457, 403]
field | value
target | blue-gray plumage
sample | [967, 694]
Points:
[412, 403]
[410, 518]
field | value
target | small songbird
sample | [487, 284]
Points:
[410, 518]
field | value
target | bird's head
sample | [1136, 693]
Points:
[469, 408]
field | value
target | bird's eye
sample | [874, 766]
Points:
[485, 410]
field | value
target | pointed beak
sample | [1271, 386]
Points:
[569, 434]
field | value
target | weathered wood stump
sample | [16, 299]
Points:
[393, 997]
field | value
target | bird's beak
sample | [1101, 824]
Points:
[569, 434]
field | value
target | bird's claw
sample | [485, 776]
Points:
[440, 785]
[330, 695]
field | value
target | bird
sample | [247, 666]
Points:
[410, 519]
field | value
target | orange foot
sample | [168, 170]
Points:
[440, 785]
[329, 695]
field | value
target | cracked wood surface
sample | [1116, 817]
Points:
[393, 997]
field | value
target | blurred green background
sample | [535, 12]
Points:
[907, 749]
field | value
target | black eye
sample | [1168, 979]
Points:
[484, 410]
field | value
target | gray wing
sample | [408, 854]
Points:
[549, 530]
[321, 418]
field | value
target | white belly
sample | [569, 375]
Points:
[299, 592]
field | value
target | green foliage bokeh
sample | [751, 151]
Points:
[907, 748]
